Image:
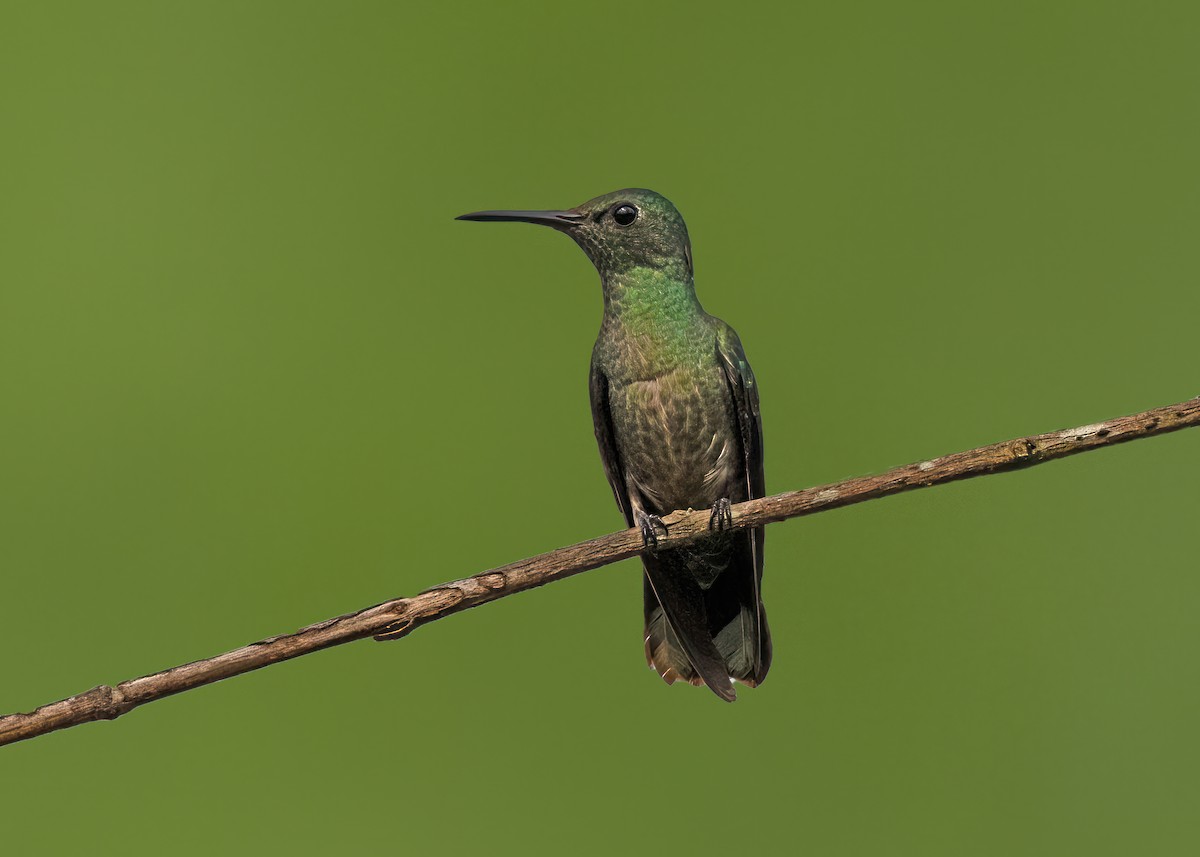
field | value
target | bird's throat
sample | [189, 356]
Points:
[651, 301]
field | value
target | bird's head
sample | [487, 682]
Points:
[622, 230]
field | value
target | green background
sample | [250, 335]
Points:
[252, 375]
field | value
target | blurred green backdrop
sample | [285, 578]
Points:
[252, 375]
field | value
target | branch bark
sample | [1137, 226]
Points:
[401, 616]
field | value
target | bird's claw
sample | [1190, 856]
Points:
[648, 524]
[722, 515]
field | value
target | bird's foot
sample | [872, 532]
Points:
[722, 515]
[649, 525]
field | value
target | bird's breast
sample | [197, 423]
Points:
[675, 434]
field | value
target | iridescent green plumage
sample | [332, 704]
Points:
[675, 409]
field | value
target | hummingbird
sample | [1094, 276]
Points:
[676, 416]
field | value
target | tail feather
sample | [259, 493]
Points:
[736, 644]
[736, 617]
[702, 605]
[664, 654]
[683, 607]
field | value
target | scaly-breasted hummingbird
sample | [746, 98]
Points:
[675, 409]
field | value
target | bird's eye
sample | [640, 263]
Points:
[625, 214]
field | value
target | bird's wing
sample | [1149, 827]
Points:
[744, 390]
[605, 439]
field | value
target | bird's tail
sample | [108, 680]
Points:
[705, 622]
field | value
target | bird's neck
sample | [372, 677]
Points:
[658, 302]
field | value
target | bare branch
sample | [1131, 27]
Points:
[399, 617]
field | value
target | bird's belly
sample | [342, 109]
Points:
[677, 440]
